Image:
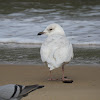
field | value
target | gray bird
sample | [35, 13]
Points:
[16, 92]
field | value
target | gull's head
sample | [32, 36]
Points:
[53, 29]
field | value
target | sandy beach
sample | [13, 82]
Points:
[86, 85]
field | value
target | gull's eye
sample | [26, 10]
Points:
[50, 29]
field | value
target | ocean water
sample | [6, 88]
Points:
[30, 55]
[20, 22]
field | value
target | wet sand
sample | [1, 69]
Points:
[86, 85]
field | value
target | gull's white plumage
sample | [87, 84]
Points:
[56, 49]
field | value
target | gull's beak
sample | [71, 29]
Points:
[40, 33]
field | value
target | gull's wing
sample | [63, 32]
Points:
[58, 52]
[64, 53]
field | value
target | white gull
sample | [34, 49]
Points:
[56, 50]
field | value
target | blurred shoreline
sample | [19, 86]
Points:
[29, 54]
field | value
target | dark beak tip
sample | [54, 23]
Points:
[40, 33]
